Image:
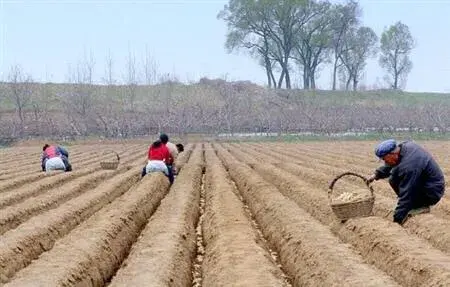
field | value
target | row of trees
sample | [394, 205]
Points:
[307, 34]
[209, 106]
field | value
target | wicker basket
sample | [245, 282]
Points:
[110, 164]
[357, 208]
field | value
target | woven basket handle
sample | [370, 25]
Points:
[117, 155]
[366, 181]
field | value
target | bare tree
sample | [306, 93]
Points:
[229, 107]
[150, 69]
[20, 93]
[106, 112]
[80, 97]
[131, 81]
[109, 71]
[84, 85]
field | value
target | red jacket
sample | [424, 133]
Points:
[159, 153]
[51, 152]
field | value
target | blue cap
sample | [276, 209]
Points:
[385, 147]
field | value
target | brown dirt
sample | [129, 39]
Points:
[233, 248]
[315, 202]
[364, 166]
[405, 257]
[20, 246]
[12, 216]
[164, 253]
[183, 157]
[15, 196]
[28, 158]
[7, 185]
[24, 166]
[309, 252]
[19, 179]
[197, 270]
[94, 250]
[429, 228]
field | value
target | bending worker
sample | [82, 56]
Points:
[414, 176]
[158, 156]
[55, 158]
[174, 150]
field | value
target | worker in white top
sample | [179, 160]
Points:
[174, 150]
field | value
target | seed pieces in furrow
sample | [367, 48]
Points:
[20, 246]
[309, 252]
[232, 255]
[28, 190]
[165, 251]
[420, 262]
[12, 216]
[94, 250]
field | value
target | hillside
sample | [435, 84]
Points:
[211, 107]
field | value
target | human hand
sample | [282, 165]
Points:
[371, 179]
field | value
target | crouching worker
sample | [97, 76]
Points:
[158, 155]
[414, 176]
[174, 150]
[180, 149]
[55, 158]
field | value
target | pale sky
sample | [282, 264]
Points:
[186, 39]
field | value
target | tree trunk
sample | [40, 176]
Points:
[273, 79]
[269, 79]
[395, 80]
[286, 69]
[280, 80]
[355, 83]
[288, 79]
[312, 79]
[21, 118]
[335, 67]
[268, 71]
[347, 85]
[306, 78]
[395, 71]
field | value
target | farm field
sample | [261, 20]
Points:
[238, 214]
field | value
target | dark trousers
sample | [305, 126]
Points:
[66, 163]
[171, 177]
[421, 199]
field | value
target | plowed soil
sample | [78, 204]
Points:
[238, 214]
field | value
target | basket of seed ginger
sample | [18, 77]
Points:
[353, 203]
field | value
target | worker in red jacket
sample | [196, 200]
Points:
[158, 157]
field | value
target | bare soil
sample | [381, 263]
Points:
[238, 214]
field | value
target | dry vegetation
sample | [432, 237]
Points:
[69, 111]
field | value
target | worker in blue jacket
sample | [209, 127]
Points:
[413, 174]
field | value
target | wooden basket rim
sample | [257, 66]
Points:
[117, 156]
[349, 173]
